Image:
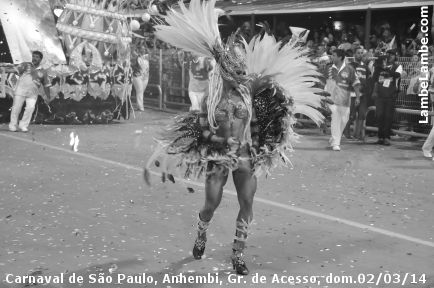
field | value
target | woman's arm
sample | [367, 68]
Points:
[207, 134]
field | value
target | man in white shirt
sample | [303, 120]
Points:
[198, 88]
[32, 77]
[341, 79]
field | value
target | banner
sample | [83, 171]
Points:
[28, 26]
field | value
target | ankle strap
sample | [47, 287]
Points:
[202, 226]
[243, 226]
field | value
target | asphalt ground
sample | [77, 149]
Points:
[365, 212]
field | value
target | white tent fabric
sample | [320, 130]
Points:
[28, 26]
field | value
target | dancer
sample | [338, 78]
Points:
[256, 87]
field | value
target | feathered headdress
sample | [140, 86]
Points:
[290, 68]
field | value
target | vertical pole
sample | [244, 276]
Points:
[3, 83]
[368, 19]
[182, 79]
[160, 72]
[252, 25]
[274, 24]
[432, 24]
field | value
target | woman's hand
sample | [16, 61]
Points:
[233, 143]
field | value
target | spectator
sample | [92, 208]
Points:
[387, 81]
[374, 42]
[345, 45]
[140, 67]
[32, 77]
[362, 72]
[331, 38]
[332, 49]
[316, 38]
[322, 53]
[198, 88]
[309, 44]
[246, 31]
[341, 78]
[347, 130]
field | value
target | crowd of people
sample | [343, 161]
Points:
[388, 71]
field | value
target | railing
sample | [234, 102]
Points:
[398, 131]
[168, 81]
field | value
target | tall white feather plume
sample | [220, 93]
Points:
[193, 29]
[290, 68]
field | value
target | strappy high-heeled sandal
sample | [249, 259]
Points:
[199, 243]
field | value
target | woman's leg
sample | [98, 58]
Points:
[215, 180]
[245, 184]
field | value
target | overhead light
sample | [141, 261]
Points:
[58, 11]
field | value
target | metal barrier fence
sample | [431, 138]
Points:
[168, 81]
[399, 131]
[408, 103]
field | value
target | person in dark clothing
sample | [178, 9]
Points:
[387, 77]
